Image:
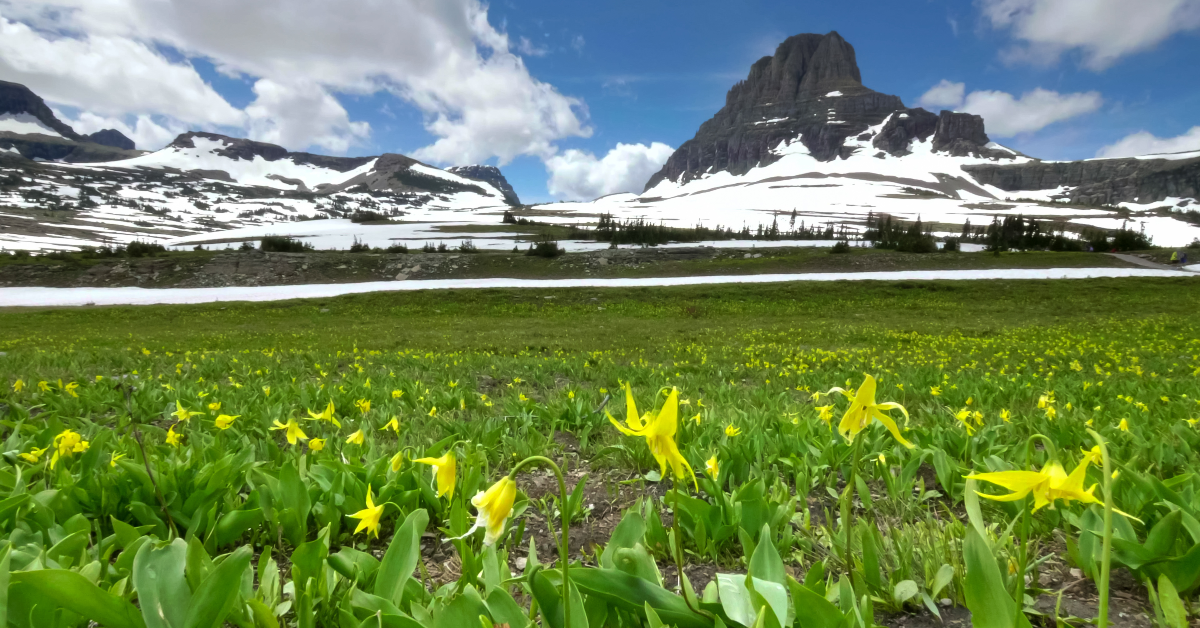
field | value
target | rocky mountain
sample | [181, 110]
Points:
[490, 174]
[811, 91]
[29, 127]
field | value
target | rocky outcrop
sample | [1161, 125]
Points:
[395, 173]
[44, 148]
[810, 88]
[1098, 181]
[239, 148]
[902, 128]
[960, 134]
[111, 137]
[489, 174]
[16, 98]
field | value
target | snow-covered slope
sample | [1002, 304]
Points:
[23, 124]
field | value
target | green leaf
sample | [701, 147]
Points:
[870, 556]
[234, 523]
[652, 619]
[812, 609]
[354, 565]
[770, 595]
[1172, 607]
[637, 561]
[974, 512]
[630, 593]
[158, 577]
[990, 604]
[214, 599]
[463, 611]
[735, 598]
[58, 588]
[945, 575]
[904, 591]
[5, 560]
[628, 533]
[504, 609]
[308, 559]
[765, 564]
[401, 558]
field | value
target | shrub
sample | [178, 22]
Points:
[950, 245]
[280, 244]
[467, 246]
[843, 246]
[397, 248]
[138, 248]
[545, 247]
[359, 246]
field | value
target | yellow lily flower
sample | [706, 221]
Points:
[363, 405]
[18, 385]
[1005, 416]
[66, 443]
[1048, 485]
[397, 461]
[443, 471]
[863, 411]
[712, 467]
[935, 390]
[214, 406]
[34, 455]
[659, 432]
[1124, 425]
[294, 432]
[356, 438]
[962, 416]
[368, 518]
[1093, 455]
[393, 425]
[115, 457]
[266, 391]
[731, 431]
[224, 421]
[826, 414]
[173, 438]
[316, 444]
[70, 388]
[326, 415]
[44, 386]
[494, 507]
[396, 394]
[182, 413]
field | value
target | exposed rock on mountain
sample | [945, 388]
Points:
[402, 174]
[1099, 181]
[243, 149]
[111, 137]
[901, 129]
[489, 174]
[30, 128]
[17, 99]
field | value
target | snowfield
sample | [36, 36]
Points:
[58, 297]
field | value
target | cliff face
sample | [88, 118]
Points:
[811, 87]
[1099, 181]
[492, 175]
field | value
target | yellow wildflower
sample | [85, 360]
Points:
[826, 415]
[396, 394]
[224, 421]
[356, 438]
[443, 472]
[363, 405]
[294, 432]
[659, 432]
[1124, 425]
[173, 438]
[316, 444]
[115, 457]
[397, 460]
[43, 386]
[935, 390]
[368, 518]
[182, 413]
[214, 406]
[494, 507]
[325, 415]
[18, 385]
[70, 388]
[712, 467]
[393, 425]
[863, 411]
[730, 430]
[34, 455]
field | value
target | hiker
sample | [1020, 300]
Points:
[1174, 257]
[1183, 259]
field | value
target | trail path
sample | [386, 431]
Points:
[1140, 261]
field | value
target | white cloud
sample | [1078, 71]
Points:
[530, 49]
[1006, 116]
[445, 57]
[109, 76]
[145, 132]
[301, 114]
[578, 175]
[578, 42]
[1144, 143]
[944, 94]
[1102, 30]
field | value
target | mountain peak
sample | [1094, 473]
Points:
[17, 99]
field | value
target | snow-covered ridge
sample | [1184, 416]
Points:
[25, 124]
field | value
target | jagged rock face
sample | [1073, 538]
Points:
[111, 137]
[489, 174]
[16, 98]
[394, 173]
[238, 148]
[900, 130]
[811, 87]
[1101, 181]
[960, 134]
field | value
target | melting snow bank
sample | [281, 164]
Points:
[32, 297]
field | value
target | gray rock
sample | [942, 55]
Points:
[489, 174]
[1098, 182]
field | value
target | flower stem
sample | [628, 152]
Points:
[847, 510]
[1022, 562]
[678, 553]
[1106, 553]
[563, 542]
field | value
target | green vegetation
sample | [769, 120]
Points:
[272, 464]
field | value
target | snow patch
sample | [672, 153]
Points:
[833, 94]
[24, 124]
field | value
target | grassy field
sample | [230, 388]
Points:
[260, 436]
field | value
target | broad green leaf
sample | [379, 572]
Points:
[990, 604]
[735, 598]
[5, 560]
[765, 564]
[401, 558]
[212, 602]
[943, 578]
[1172, 607]
[812, 609]
[162, 588]
[628, 533]
[68, 590]
[505, 610]
[629, 593]
[464, 610]
[234, 523]
[904, 591]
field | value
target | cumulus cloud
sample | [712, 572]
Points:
[301, 114]
[1102, 30]
[530, 49]
[580, 176]
[944, 94]
[1144, 143]
[1006, 115]
[445, 57]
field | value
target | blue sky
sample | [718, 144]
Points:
[652, 71]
